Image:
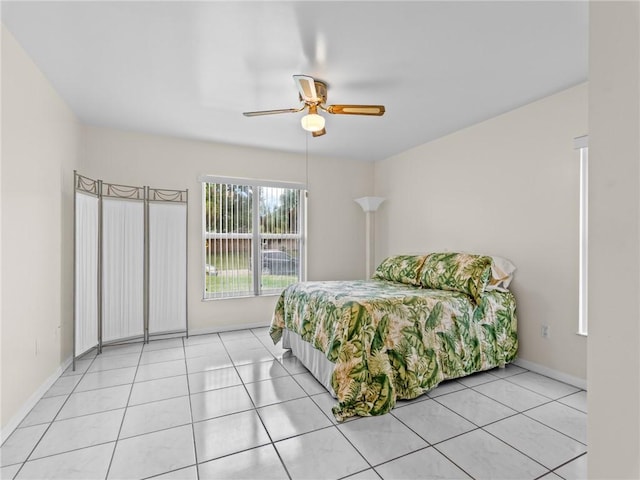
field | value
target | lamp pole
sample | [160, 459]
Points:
[369, 206]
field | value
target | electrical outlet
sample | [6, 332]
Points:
[544, 331]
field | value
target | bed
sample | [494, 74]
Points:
[420, 320]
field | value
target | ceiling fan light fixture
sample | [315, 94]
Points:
[312, 122]
[312, 95]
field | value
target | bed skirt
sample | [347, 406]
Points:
[314, 360]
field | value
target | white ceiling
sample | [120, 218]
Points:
[190, 69]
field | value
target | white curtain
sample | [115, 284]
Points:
[167, 267]
[122, 269]
[86, 273]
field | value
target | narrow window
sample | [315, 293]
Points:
[581, 144]
[253, 236]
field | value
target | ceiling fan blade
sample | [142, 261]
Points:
[307, 88]
[376, 110]
[319, 133]
[272, 112]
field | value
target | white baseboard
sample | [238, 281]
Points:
[228, 328]
[33, 399]
[551, 373]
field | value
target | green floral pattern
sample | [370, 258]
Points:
[458, 272]
[401, 268]
[393, 341]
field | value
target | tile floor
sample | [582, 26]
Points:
[233, 405]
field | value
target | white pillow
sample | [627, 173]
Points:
[501, 274]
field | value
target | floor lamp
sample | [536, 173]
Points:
[369, 206]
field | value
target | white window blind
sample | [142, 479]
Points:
[253, 236]
[581, 144]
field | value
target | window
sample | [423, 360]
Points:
[253, 236]
[581, 144]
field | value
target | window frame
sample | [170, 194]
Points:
[256, 236]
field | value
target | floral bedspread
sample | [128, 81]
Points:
[393, 341]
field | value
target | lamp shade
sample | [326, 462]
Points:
[312, 122]
[369, 204]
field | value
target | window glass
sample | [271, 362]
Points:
[247, 225]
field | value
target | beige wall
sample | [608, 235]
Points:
[614, 240]
[39, 145]
[335, 221]
[508, 186]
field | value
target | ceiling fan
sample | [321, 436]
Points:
[313, 95]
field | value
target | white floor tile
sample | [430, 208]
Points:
[323, 454]
[475, 407]
[276, 350]
[326, 402]
[551, 476]
[253, 355]
[381, 438]
[163, 344]
[20, 443]
[369, 474]
[577, 400]
[476, 379]
[262, 462]
[565, 419]
[112, 362]
[432, 421]
[216, 403]
[485, 457]
[213, 379]
[106, 378]
[153, 453]
[165, 355]
[83, 464]
[425, 463]
[160, 389]
[236, 335]
[242, 344]
[198, 339]
[507, 371]
[8, 473]
[511, 395]
[79, 432]
[400, 402]
[444, 388]
[204, 349]
[189, 473]
[44, 411]
[291, 418]
[150, 417]
[292, 364]
[255, 372]
[94, 401]
[82, 365]
[309, 383]
[154, 371]
[210, 362]
[261, 332]
[229, 434]
[537, 441]
[274, 390]
[575, 470]
[63, 386]
[543, 385]
[122, 349]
